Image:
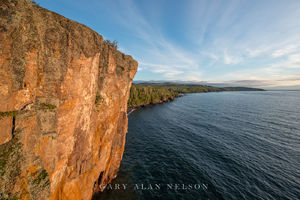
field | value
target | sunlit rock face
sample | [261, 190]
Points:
[63, 105]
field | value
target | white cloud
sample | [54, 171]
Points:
[284, 51]
[172, 74]
[229, 59]
[290, 62]
[218, 37]
[294, 59]
[166, 70]
[257, 51]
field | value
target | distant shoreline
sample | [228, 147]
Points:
[142, 95]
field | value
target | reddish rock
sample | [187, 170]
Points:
[5, 129]
[69, 91]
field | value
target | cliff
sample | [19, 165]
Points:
[63, 104]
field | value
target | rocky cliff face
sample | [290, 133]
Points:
[63, 104]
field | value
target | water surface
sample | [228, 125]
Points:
[240, 145]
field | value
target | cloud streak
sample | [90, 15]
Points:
[237, 44]
[207, 40]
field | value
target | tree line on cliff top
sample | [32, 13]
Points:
[152, 93]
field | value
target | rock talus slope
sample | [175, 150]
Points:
[63, 104]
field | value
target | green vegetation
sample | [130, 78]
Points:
[34, 3]
[3, 160]
[7, 114]
[41, 176]
[9, 153]
[10, 166]
[7, 197]
[98, 100]
[113, 44]
[142, 95]
[152, 93]
[45, 106]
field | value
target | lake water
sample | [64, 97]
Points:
[226, 145]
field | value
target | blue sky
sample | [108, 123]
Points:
[242, 42]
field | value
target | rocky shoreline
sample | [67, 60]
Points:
[131, 109]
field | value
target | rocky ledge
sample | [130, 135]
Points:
[63, 105]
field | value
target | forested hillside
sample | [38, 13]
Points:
[152, 93]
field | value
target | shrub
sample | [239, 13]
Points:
[99, 99]
[34, 3]
[113, 44]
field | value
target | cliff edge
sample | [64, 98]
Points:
[63, 105]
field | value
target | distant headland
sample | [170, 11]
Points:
[147, 93]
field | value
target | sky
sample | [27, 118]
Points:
[236, 42]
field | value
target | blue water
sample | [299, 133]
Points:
[235, 145]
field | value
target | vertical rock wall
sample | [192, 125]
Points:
[63, 104]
